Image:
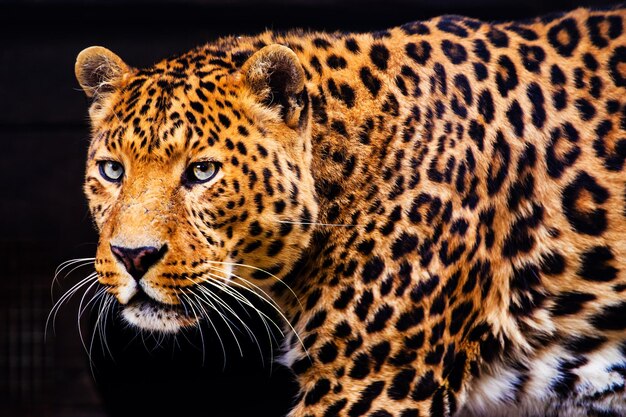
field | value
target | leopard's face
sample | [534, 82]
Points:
[199, 187]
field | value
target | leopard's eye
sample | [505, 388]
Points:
[200, 172]
[111, 170]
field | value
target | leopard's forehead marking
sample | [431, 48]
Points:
[177, 105]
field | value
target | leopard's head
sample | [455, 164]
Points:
[198, 178]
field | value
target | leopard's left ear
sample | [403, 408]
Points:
[276, 77]
[99, 71]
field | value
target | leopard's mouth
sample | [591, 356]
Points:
[149, 314]
[141, 299]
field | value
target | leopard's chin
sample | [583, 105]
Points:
[147, 314]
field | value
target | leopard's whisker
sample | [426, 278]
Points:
[99, 295]
[275, 307]
[198, 325]
[272, 304]
[320, 224]
[98, 325]
[93, 335]
[180, 297]
[80, 265]
[201, 309]
[264, 317]
[78, 316]
[267, 297]
[219, 283]
[105, 301]
[268, 300]
[94, 298]
[210, 294]
[101, 302]
[210, 304]
[219, 337]
[65, 297]
[264, 271]
[67, 264]
[109, 302]
[186, 301]
[239, 298]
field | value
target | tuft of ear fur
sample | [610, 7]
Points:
[99, 71]
[275, 75]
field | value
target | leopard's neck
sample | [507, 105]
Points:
[400, 148]
[384, 130]
[360, 114]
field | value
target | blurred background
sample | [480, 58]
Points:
[44, 219]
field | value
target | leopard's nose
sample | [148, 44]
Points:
[138, 260]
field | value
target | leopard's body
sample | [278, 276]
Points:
[447, 199]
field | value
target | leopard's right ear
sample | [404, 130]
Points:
[99, 71]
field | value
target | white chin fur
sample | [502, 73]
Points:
[149, 318]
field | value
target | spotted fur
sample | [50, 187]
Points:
[446, 199]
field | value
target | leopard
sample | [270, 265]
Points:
[437, 210]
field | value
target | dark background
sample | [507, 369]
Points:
[44, 218]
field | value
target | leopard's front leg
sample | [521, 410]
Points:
[353, 368]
